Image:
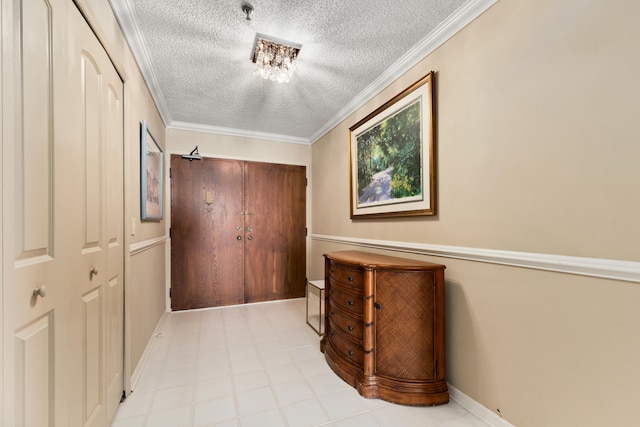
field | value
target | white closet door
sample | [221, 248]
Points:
[95, 118]
[35, 307]
[62, 208]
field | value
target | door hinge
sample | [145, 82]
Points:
[306, 230]
[306, 182]
[169, 292]
[169, 173]
[169, 232]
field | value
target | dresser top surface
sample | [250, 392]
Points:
[369, 259]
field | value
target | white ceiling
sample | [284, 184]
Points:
[195, 57]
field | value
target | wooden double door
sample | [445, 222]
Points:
[238, 232]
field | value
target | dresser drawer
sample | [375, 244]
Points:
[346, 276]
[346, 348]
[347, 325]
[352, 303]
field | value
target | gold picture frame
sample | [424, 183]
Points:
[392, 157]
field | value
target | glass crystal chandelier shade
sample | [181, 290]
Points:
[275, 59]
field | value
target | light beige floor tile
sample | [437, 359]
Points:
[257, 365]
[305, 414]
[214, 411]
[258, 400]
[292, 392]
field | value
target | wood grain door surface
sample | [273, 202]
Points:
[237, 232]
[275, 249]
[207, 241]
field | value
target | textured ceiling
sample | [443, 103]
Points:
[195, 57]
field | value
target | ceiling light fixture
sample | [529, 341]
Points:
[275, 59]
[248, 10]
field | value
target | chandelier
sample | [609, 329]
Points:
[275, 59]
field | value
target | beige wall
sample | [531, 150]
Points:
[538, 151]
[144, 272]
[146, 302]
[238, 147]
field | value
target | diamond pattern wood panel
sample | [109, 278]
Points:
[404, 324]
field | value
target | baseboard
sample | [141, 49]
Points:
[135, 376]
[483, 413]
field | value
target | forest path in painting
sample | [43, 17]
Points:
[379, 189]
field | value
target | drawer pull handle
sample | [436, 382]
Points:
[350, 278]
[350, 303]
[350, 353]
[350, 327]
[377, 305]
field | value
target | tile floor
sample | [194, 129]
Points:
[256, 365]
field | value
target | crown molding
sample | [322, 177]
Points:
[447, 29]
[194, 127]
[627, 271]
[123, 11]
[457, 21]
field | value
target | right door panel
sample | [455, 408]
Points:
[275, 218]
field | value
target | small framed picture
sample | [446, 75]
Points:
[151, 180]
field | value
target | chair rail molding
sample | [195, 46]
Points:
[136, 248]
[628, 271]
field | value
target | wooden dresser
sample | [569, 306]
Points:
[384, 320]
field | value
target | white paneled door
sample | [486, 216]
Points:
[97, 136]
[35, 307]
[62, 229]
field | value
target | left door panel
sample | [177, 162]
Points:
[34, 307]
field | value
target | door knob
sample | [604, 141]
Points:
[93, 272]
[41, 291]
[249, 237]
[239, 237]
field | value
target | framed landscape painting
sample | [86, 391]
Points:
[393, 157]
[151, 166]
